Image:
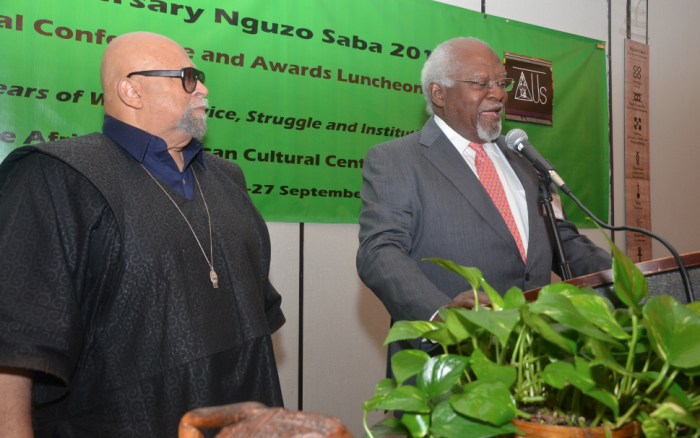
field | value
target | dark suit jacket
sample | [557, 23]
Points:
[421, 199]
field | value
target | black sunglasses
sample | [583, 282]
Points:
[189, 76]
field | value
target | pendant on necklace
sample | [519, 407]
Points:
[214, 278]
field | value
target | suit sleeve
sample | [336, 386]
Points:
[585, 256]
[386, 232]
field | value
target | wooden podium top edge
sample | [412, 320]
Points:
[650, 267]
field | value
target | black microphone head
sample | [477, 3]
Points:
[514, 138]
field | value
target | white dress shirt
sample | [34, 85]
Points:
[511, 184]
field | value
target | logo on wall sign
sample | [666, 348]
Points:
[524, 91]
[637, 97]
[530, 100]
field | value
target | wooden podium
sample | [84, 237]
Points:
[662, 276]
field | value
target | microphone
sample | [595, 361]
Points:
[517, 141]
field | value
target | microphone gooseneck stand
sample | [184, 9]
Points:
[517, 141]
[681, 266]
[546, 201]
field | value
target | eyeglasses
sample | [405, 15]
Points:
[189, 76]
[504, 84]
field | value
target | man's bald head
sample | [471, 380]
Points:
[158, 105]
[136, 51]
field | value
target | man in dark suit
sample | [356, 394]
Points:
[455, 191]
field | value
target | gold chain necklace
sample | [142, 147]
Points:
[212, 274]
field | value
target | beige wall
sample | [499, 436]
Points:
[344, 324]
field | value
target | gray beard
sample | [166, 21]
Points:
[194, 125]
[488, 134]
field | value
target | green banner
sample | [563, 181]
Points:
[299, 91]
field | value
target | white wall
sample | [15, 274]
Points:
[344, 324]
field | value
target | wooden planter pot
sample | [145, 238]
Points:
[534, 430]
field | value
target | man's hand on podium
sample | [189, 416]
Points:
[466, 300]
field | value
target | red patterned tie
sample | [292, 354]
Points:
[492, 183]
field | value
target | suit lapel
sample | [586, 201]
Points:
[444, 156]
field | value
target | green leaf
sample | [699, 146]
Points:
[568, 290]
[417, 424]
[654, 429]
[539, 325]
[605, 397]
[441, 336]
[449, 424]
[560, 308]
[390, 426]
[671, 409]
[440, 374]
[485, 368]
[694, 307]
[407, 363]
[556, 374]
[442, 313]
[472, 275]
[596, 310]
[630, 284]
[673, 331]
[405, 398]
[402, 330]
[458, 325]
[486, 400]
[499, 324]
[514, 298]
[674, 390]
[496, 299]
[371, 404]
[384, 387]
[680, 396]
[603, 356]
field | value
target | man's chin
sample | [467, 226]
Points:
[489, 134]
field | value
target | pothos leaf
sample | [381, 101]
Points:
[440, 373]
[472, 275]
[402, 330]
[514, 298]
[485, 400]
[390, 426]
[539, 325]
[384, 386]
[671, 409]
[405, 398]
[653, 428]
[407, 363]
[449, 424]
[417, 424]
[630, 284]
[485, 368]
[672, 330]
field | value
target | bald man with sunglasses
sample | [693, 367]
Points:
[134, 267]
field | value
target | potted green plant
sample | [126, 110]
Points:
[567, 358]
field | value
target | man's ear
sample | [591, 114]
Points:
[437, 94]
[130, 93]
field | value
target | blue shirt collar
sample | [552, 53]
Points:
[139, 143]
